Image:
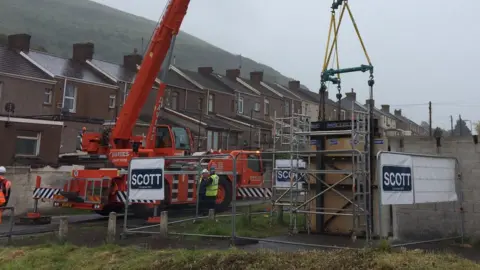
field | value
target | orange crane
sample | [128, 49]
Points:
[105, 190]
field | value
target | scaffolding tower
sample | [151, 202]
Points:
[295, 134]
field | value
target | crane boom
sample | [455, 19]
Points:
[154, 56]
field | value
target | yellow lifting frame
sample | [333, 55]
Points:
[333, 26]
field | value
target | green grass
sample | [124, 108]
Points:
[260, 226]
[114, 257]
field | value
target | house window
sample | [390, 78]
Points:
[305, 111]
[334, 115]
[1, 90]
[293, 107]
[211, 101]
[174, 101]
[212, 140]
[232, 105]
[70, 98]
[47, 97]
[266, 109]
[112, 101]
[28, 144]
[343, 114]
[287, 109]
[126, 90]
[240, 105]
[200, 104]
[257, 106]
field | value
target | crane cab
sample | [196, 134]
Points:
[172, 141]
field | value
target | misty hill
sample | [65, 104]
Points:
[56, 24]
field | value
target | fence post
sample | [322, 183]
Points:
[164, 224]
[279, 214]
[63, 229]
[211, 214]
[112, 227]
[249, 214]
[11, 223]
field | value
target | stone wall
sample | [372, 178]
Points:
[23, 184]
[426, 221]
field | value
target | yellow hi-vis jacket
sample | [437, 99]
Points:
[212, 189]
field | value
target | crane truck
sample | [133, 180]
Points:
[105, 189]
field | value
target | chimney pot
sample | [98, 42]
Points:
[386, 108]
[398, 112]
[233, 74]
[83, 51]
[294, 85]
[256, 76]
[131, 61]
[205, 70]
[19, 42]
[351, 95]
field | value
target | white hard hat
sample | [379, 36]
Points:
[205, 171]
[2, 169]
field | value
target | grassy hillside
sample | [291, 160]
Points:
[56, 24]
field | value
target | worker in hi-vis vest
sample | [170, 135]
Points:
[5, 187]
[208, 190]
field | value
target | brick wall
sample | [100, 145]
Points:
[442, 219]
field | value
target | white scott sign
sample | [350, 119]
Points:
[146, 179]
[396, 179]
[412, 178]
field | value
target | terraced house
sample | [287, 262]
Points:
[55, 97]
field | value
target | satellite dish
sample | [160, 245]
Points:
[10, 107]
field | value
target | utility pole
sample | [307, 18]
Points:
[460, 124]
[430, 117]
[451, 125]
[251, 119]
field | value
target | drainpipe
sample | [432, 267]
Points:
[64, 91]
[185, 100]
[208, 99]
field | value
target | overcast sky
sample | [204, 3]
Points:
[422, 50]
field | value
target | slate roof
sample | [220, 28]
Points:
[264, 91]
[117, 71]
[282, 91]
[346, 104]
[67, 68]
[207, 81]
[213, 121]
[233, 84]
[253, 121]
[13, 63]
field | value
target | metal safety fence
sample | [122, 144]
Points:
[421, 198]
[7, 232]
[269, 211]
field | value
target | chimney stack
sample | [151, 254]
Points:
[130, 61]
[19, 42]
[83, 51]
[398, 112]
[256, 76]
[206, 71]
[233, 74]
[294, 85]
[386, 108]
[351, 95]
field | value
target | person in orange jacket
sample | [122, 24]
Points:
[5, 187]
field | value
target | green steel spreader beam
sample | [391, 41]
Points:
[329, 74]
